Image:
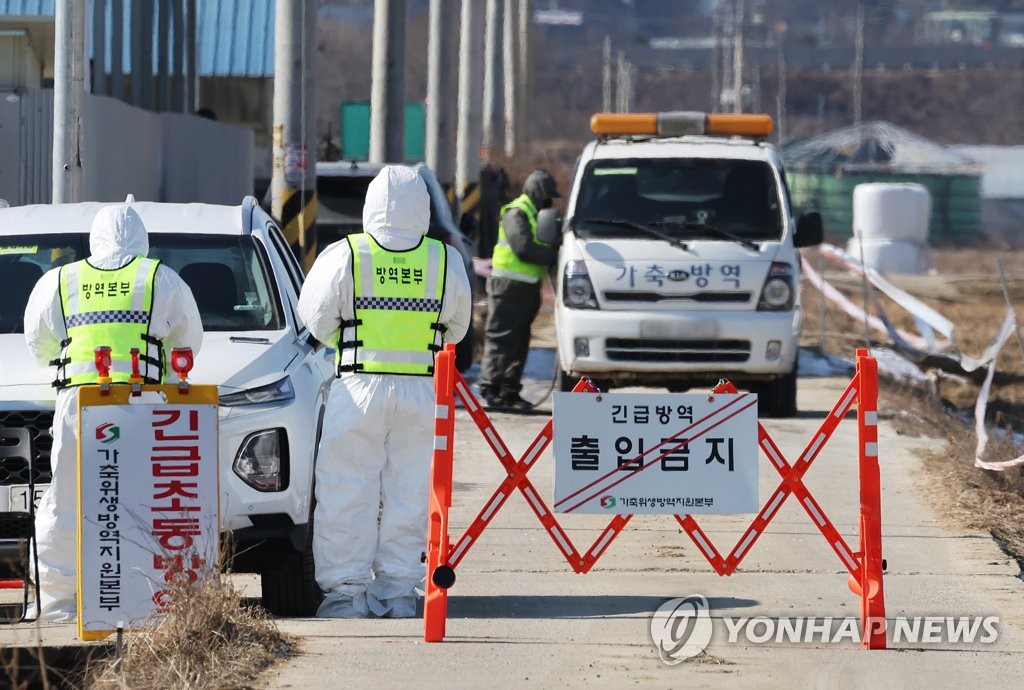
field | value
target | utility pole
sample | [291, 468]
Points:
[737, 75]
[293, 185]
[68, 85]
[524, 85]
[780, 98]
[467, 160]
[440, 144]
[492, 77]
[387, 92]
[622, 84]
[511, 65]
[728, 52]
[858, 65]
[716, 62]
[606, 75]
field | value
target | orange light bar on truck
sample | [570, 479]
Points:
[679, 123]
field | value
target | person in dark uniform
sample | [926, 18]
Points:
[518, 265]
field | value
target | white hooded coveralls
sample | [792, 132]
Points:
[116, 237]
[377, 440]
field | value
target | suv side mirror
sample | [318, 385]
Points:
[549, 227]
[808, 230]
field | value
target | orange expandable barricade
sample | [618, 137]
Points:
[865, 565]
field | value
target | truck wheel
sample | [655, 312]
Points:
[778, 398]
[291, 590]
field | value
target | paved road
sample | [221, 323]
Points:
[519, 617]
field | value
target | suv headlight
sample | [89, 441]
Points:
[777, 293]
[279, 391]
[577, 290]
[262, 460]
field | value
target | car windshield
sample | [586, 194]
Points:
[686, 198]
[340, 200]
[228, 275]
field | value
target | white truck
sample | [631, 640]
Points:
[679, 264]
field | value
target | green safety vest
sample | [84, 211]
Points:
[398, 297]
[504, 262]
[108, 308]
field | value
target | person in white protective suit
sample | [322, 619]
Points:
[62, 326]
[387, 299]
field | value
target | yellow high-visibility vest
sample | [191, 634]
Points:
[504, 262]
[398, 296]
[113, 308]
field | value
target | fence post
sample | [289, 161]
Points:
[435, 602]
[872, 596]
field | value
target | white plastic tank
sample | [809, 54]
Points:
[890, 227]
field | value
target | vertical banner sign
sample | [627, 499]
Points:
[655, 454]
[148, 518]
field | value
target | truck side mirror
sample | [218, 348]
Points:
[808, 230]
[549, 227]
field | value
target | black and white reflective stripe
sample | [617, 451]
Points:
[107, 316]
[398, 303]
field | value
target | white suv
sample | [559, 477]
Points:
[272, 377]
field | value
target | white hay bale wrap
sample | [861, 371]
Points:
[891, 256]
[892, 211]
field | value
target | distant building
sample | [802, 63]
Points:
[968, 27]
[1002, 191]
[228, 70]
[823, 172]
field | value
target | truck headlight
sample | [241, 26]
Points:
[577, 290]
[262, 460]
[777, 293]
[279, 391]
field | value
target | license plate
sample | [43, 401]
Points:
[19, 497]
[686, 330]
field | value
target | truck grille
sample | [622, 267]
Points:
[635, 350]
[38, 423]
[700, 297]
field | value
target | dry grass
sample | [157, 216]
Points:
[974, 498]
[966, 289]
[207, 639]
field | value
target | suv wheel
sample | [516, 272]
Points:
[291, 590]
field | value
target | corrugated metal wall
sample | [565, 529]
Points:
[30, 7]
[37, 146]
[235, 37]
[956, 202]
[26, 138]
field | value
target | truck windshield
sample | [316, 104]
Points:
[229, 276]
[692, 198]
